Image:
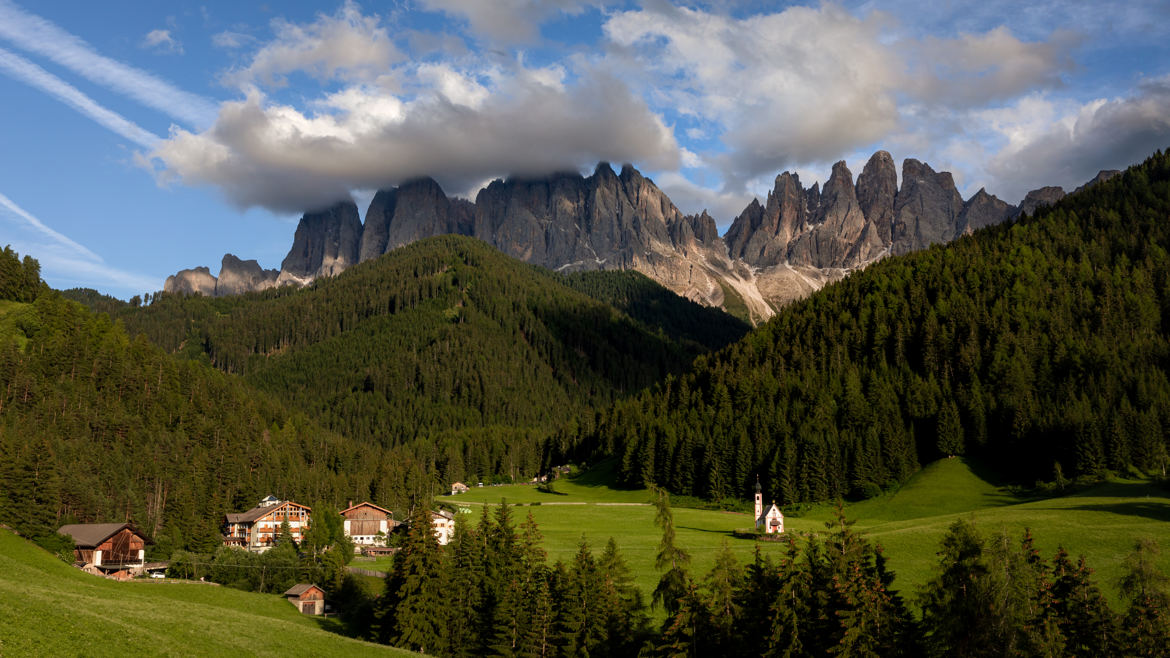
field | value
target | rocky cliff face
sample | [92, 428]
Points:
[326, 243]
[195, 281]
[239, 276]
[1045, 196]
[775, 252]
[417, 209]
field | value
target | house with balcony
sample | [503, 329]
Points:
[258, 528]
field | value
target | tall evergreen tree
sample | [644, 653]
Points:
[672, 586]
[1084, 617]
[410, 613]
[1147, 589]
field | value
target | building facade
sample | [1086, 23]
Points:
[443, 525]
[366, 524]
[258, 529]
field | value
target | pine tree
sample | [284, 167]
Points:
[1147, 620]
[672, 586]
[957, 604]
[1084, 617]
[626, 623]
[721, 586]
[410, 614]
[462, 587]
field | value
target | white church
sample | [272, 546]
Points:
[771, 519]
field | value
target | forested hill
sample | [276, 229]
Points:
[1041, 344]
[467, 357]
[98, 427]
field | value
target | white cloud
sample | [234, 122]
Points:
[507, 21]
[231, 40]
[162, 41]
[33, 75]
[980, 69]
[36, 35]
[276, 156]
[805, 85]
[346, 45]
[62, 258]
[1048, 143]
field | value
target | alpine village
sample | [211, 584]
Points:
[507, 399]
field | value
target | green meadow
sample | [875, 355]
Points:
[48, 608]
[1101, 522]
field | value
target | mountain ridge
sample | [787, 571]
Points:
[772, 253]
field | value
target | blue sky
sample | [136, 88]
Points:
[138, 139]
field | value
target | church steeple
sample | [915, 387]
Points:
[759, 502]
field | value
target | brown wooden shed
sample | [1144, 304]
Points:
[309, 599]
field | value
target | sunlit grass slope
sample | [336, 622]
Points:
[48, 608]
[1101, 522]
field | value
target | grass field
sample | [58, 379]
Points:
[48, 608]
[1101, 522]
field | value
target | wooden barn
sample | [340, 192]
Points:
[366, 524]
[258, 528]
[107, 546]
[309, 599]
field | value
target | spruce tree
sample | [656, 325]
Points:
[672, 586]
[411, 614]
[1147, 589]
[1084, 617]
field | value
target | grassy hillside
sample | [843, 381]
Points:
[1101, 522]
[48, 608]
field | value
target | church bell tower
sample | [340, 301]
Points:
[759, 502]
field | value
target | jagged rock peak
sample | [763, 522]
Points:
[1101, 177]
[325, 243]
[1044, 196]
[240, 276]
[877, 187]
[417, 209]
[983, 210]
[195, 281]
[926, 209]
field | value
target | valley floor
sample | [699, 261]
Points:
[1101, 522]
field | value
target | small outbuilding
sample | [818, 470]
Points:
[309, 599]
[107, 546]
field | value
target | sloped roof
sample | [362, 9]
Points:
[258, 511]
[367, 504]
[300, 588]
[92, 534]
[444, 514]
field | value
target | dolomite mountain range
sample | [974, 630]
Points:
[774, 252]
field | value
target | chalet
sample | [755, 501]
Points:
[309, 599]
[107, 546]
[459, 488]
[366, 524]
[258, 528]
[771, 519]
[443, 524]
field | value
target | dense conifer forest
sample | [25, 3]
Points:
[1041, 344]
[447, 350]
[96, 426]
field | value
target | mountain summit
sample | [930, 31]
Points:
[773, 253]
